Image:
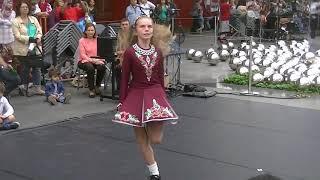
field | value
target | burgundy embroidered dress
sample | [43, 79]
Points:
[143, 97]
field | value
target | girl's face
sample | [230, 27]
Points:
[144, 28]
[91, 3]
[24, 9]
[90, 32]
[163, 1]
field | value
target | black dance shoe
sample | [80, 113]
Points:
[155, 177]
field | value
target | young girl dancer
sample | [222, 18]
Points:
[143, 102]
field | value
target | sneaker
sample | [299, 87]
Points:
[8, 126]
[200, 29]
[39, 92]
[67, 99]
[52, 100]
[22, 91]
[92, 94]
[155, 177]
[14, 125]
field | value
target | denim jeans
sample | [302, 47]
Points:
[10, 79]
[36, 75]
[197, 23]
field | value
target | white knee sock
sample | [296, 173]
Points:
[153, 169]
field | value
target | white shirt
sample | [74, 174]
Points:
[315, 8]
[36, 10]
[146, 8]
[6, 33]
[5, 107]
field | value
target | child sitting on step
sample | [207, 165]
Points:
[7, 119]
[55, 89]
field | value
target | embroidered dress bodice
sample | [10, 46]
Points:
[145, 66]
[147, 59]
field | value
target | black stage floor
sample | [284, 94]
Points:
[215, 139]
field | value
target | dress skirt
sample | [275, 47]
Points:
[145, 105]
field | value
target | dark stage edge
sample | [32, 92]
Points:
[215, 139]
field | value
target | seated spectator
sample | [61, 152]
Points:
[123, 39]
[8, 75]
[55, 89]
[122, 45]
[7, 119]
[28, 34]
[88, 50]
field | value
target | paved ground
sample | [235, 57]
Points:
[227, 137]
[220, 139]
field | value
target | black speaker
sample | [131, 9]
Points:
[106, 46]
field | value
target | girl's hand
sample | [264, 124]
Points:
[38, 41]
[119, 106]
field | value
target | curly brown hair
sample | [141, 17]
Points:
[18, 6]
[53, 73]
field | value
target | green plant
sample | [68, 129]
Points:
[239, 79]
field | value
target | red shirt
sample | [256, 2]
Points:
[143, 74]
[58, 14]
[43, 6]
[73, 13]
[225, 11]
[206, 10]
